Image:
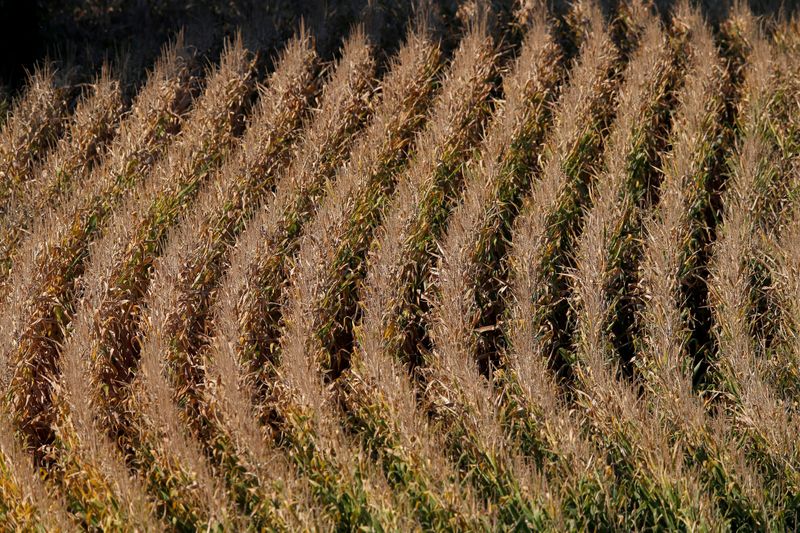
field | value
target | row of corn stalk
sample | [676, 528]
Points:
[116, 276]
[85, 448]
[25, 504]
[379, 153]
[169, 462]
[295, 402]
[530, 406]
[344, 107]
[675, 236]
[542, 239]
[474, 246]
[312, 443]
[663, 493]
[344, 481]
[401, 265]
[143, 135]
[763, 426]
[567, 160]
[378, 393]
[779, 199]
[470, 278]
[786, 267]
[404, 250]
[52, 258]
[694, 288]
[36, 121]
[776, 285]
[305, 425]
[88, 132]
[251, 311]
[85, 463]
[544, 231]
[32, 126]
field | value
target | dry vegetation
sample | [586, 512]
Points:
[544, 275]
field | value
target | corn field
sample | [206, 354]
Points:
[526, 265]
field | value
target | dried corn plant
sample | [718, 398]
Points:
[155, 113]
[88, 132]
[535, 266]
[118, 273]
[35, 122]
[182, 299]
[762, 425]
[262, 256]
[673, 246]
[606, 254]
[403, 257]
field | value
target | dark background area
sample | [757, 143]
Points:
[81, 34]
